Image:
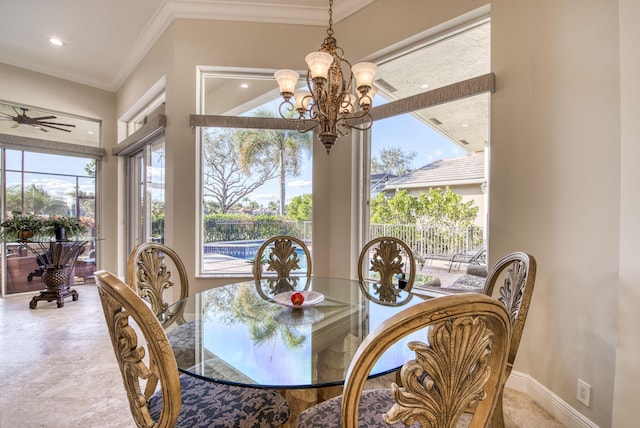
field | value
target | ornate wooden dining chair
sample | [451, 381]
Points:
[183, 401]
[519, 272]
[150, 276]
[149, 269]
[282, 257]
[389, 262]
[461, 362]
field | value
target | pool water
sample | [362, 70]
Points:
[245, 250]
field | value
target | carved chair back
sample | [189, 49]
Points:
[282, 257]
[462, 362]
[149, 274]
[388, 261]
[519, 272]
[143, 363]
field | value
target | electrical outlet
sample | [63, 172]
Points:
[584, 392]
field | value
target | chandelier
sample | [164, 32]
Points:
[329, 102]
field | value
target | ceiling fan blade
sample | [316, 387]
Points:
[52, 127]
[54, 123]
[7, 115]
[43, 117]
[15, 125]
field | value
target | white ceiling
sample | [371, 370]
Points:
[105, 39]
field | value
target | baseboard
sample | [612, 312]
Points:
[559, 409]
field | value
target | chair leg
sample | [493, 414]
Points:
[497, 420]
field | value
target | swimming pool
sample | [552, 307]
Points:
[245, 250]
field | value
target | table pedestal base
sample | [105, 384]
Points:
[57, 289]
[58, 295]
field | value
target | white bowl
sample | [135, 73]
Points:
[310, 298]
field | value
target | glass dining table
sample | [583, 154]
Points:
[238, 334]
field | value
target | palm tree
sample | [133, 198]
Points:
[282, 147]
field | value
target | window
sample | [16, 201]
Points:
[426, 184]
[143, 145]
[146, 194]
[44, 185]
[255, 179]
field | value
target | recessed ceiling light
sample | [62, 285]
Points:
[90, 132]
[244, 86]
[424, 86]
[465, 125]
[55, 41]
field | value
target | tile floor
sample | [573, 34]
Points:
[58, 370]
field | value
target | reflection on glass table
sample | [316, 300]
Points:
[237, 334]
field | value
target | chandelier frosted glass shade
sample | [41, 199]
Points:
[337, 98]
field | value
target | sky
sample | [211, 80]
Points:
[57, 174]
[403, 131]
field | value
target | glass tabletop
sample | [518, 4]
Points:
[238, 334]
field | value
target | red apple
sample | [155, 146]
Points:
[297, 298]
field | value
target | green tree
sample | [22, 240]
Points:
[392, 160]
[90, 168]
[36, 201]
[227, 177]
[299, 208]
[440, 207]
[284, 148]
[273, 207]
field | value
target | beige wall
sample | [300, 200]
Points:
[556, 186]
[627, 376]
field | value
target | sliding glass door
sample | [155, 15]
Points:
[44, 185]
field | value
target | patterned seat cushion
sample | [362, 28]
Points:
[182, 339]
[469, 282]
[208, 404]
[373, 404]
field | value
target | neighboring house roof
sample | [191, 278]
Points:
[467, 169]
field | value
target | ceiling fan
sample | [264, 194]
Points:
[41, 122]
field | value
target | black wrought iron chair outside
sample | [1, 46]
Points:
[462, 363]
[181, 401]
[282, 257]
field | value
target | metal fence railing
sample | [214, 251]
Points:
[426, 241]
[432, 242]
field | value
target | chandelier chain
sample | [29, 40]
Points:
[328, 103]
[330, 29]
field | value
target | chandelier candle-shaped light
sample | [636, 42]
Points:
[329, 104]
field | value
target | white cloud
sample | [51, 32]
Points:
[299, 183]
[264, 197]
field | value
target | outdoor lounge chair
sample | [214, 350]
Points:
[475, 257]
